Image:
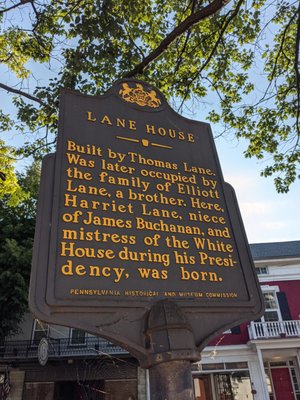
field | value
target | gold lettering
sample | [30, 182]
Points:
[106, 120]
[121, 122]
[132, 125]
[199, 276]
[90, 118]
[150, 129]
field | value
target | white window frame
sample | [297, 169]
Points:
[265, 327]
[272, 289]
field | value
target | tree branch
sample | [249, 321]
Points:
[279, 52]
[230, 16]
[297, 73]
[190, 21]
[179, 58]
[21, 93]
[134, 44]
[22, 2]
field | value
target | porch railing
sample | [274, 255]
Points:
[274, 329]
[59, 348]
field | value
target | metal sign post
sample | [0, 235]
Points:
[139, 240]
[172, 348]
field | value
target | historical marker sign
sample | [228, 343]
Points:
[133, 210]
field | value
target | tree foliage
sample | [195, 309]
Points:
[9, 186]
[17, 224]
[240, 56]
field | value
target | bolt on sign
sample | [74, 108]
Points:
[133, 210]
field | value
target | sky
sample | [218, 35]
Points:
[267, 215]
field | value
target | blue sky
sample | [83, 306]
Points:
[267, 215]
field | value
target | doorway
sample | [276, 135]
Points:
[282, 384]
[202, 387]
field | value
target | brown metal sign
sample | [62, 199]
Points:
[134, 210]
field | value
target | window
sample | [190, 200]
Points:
[262, 270]
[272, 312]
[39, 331]
[233, 386]
[295, 379]
[211, 367]
[228, 366]
[236, 365]
[77, 337]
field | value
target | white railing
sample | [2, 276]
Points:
[274, 329]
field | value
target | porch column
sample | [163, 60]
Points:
[142, 383]
[16, 378]
[298, 358]
[147, 385]
[264, 395]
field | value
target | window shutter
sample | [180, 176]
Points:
[284, 306]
